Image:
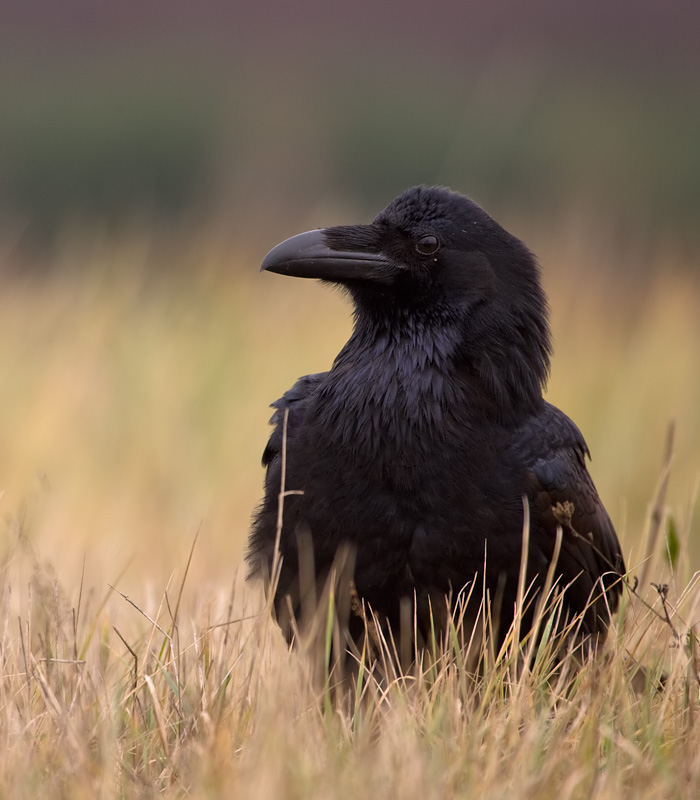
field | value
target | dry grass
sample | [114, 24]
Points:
[132, 416]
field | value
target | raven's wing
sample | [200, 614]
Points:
[293, 405]
[561, 492]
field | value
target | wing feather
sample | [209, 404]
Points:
[562, 493]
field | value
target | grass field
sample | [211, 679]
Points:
[133, 412]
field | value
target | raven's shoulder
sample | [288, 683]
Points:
[293, 405]
[548, 434]
[553, 452]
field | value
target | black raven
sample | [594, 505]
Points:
[419, 450]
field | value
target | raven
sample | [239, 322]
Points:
[422, 449]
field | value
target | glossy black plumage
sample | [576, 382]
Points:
[417, 446]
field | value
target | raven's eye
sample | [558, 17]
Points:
[427, 245]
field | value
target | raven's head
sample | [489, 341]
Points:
[435, 253]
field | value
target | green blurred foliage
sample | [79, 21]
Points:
[532, 140]
[673, 543]
[100, 145]
[171, 135]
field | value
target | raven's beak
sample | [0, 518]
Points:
[307, 255]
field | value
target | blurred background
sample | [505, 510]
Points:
[151, 153]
